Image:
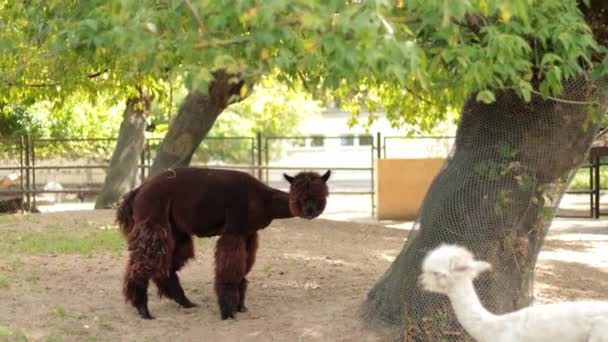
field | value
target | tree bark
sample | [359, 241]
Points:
[195, 118]
[496, 194]
[122, 173]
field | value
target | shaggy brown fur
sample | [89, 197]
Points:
[159, 218]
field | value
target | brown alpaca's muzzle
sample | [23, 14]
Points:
[309, 209]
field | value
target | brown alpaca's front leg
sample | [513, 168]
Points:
[170, 287]
[252, 247]
[230, 265]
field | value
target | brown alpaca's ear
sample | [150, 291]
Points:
[325, 177]
[288, 178]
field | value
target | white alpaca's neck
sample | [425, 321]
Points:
[471, 314]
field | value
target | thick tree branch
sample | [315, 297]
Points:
[54, 84]
[410, 91]
[197, 17]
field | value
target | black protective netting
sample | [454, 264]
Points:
[496, 195]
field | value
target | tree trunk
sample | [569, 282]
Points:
[122, 173]
[195, 118]
[496, 194]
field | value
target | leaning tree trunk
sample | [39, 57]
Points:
[195, 117]
[122, 172]
[496, 195]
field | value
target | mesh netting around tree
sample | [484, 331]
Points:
[496, 195]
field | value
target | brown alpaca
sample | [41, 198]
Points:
[160, 217]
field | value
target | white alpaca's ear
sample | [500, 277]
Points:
[482, 266]
[458, 265]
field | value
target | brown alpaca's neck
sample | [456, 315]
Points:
[280, 205]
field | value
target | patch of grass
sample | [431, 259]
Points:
[295, 263]
[59, 311]
[55, 226]
[106, 326]
[5, 331]
[14, 264]
[267, 270]
[31, 277]
[8, 334]
[86, 242]
[8, 218]
[53, 338]
[3, 282]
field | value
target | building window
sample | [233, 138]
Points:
[347, 140]
[317, 141]
[366, 140]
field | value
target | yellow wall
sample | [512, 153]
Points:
[401, 185]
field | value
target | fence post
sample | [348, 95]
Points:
[267, 159]
[21, 146]
[373, 173]
[142, 162]
[33, 145]
[259, 138]
[379, 151]
[598, 166]
[27, 172]
[591, 187]
[148, 157]
[252, 155]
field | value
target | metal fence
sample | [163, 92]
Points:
[39, 171]
[46, 171]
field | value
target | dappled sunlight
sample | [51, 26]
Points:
[558, 280]
[326, 259]
[388, 255]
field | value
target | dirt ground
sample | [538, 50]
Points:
[307, 284]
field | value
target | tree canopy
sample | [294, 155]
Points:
[415, 59]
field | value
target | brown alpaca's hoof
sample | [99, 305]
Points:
[146, 316]
[225, 316]
[188, 305]
[144, 313]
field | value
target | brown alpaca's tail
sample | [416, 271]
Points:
[124, 213]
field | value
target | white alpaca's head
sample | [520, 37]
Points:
[448, 265]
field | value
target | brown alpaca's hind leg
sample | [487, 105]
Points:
[230, 265]
[169, 285]
[252, 247]
[135, 289]
[149, 245]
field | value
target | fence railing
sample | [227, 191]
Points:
[75, 169]
[48, 170]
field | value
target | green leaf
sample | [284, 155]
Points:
[526, 94]
[486, 96]
[550, 59]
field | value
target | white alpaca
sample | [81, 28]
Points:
[450, 270]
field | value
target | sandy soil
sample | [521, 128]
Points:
[308, 282]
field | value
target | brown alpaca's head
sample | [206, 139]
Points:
[308, 193]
